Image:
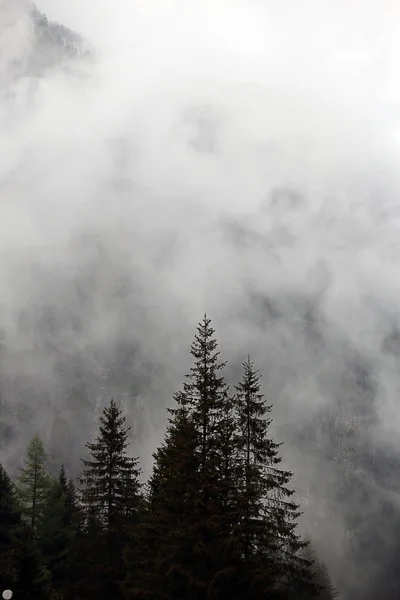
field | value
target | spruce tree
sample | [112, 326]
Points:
[34, 483]
[271, 549]
[9, 520]
[71, 512]
[206, 396]
[326, 590]
[57, 531]
[32, 578]
[191, 488]
[160, 559]
[323, 579]
[110, 497]
[63, 480]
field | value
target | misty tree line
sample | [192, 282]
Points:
[216, 520]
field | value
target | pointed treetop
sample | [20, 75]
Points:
[35, 452]
[204, 346]
[62, 479]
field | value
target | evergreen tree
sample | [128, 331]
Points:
[204, 391]
[34, 484]
[71, 513]
[326, 590]
[21, 567]
[206, 397]
[110, 497]
[9, 520]
[191, 488]
[271, 549]
[32, 577]
[63, 480]
[57, 531]
[161, 556]
[323, 579]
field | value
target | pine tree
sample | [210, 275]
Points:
[9, 520]
[326, 590]
[323, 579]
[110, 496]
[71, 512]
[76, 558]
[34, 484]
[266, 532]
[57, 531]
[206, 397]
[159, 559]
[191, 489]
[204, 392]
[111, 478]
[63, 480]
[32, 578]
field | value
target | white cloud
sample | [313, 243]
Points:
[302, 95]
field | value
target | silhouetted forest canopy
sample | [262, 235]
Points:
[217, 518]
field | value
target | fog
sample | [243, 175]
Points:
[237, 157]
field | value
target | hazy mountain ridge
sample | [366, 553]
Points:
[45, 45]
[72, 388]
[53, 44]
[100, 318]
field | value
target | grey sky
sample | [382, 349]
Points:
[190, 115]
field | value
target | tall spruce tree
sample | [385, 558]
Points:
[110, 496]
[34, 484]
[206, 396]
[192, 485]
[273, 563]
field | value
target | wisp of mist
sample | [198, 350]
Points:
[219, 152]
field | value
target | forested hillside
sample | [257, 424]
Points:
[216, 519]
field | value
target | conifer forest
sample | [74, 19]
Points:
[199, 300]
[216, 519]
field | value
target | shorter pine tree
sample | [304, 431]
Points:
[110, 496]
[34, 484]
[9, 521]
[57, 531]
[271, 549]
[326, 590]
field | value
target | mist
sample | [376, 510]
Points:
[234, 157]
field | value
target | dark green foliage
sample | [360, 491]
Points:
[322, 578]
[110, 498]
[110, 479]
[217, 521]
[57, 531]
[9, 520]
[32, 577]
[206, 397]
[159, 563]
[269, 543]
[186, 526]
[9, 515]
